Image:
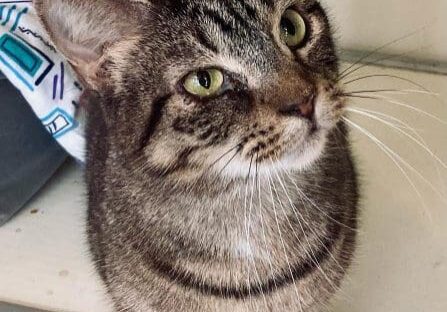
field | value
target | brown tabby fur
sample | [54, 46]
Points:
[232, 203]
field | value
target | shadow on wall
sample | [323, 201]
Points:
[10, 308]
[366, 25]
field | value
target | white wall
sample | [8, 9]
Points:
[367, 24]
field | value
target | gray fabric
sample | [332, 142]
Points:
[28, 154]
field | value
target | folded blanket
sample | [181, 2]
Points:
[34, 66]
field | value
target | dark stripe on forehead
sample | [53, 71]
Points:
[230, 17]
[217, 19]
[204, 39]
[251, 11]
[268, 3]
[237, 15]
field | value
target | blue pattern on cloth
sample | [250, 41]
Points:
[45, 79]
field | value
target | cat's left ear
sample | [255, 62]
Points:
[86, 30]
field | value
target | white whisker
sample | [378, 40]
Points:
[395, 91]
[351, 69]
[271, 184]
[398, 103]
[246, 228]
[397, 159]
[360, 78]
[303, 195]
[251, 253]
[269, 256]
[300, 217]
[419, 143]
[401, 124]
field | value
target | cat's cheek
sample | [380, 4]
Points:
[184, 103]
[329, 108]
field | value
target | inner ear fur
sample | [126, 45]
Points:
[84, 30]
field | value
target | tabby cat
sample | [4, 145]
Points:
[219, 170]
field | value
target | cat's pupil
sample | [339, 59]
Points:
[204, 78]
[288, 27]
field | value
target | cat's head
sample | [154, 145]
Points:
[205, 85]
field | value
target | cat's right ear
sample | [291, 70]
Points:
[84, 31]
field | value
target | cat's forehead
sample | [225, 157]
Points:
[254, 4]
[241, 36]
[220, 23]
[230, 10]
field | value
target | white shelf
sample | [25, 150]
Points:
[401, 263]
[44, 260]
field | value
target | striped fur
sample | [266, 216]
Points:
[231, 203]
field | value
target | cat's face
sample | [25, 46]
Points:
[210, 85]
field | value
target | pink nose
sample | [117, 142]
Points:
[304, 108]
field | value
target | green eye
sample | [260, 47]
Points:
[293, 28]
[204, 83]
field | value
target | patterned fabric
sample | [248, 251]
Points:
[34, 66]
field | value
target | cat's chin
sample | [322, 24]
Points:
[305, 155]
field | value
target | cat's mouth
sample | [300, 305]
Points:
[288, 142]
[301, 141]
[297, 151]
[295, 147]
